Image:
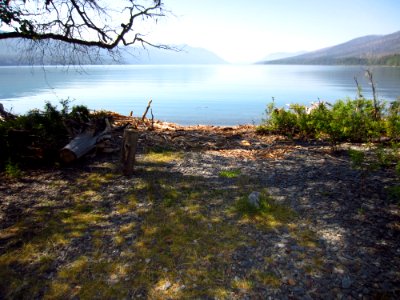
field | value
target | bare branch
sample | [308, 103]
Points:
[87, 23]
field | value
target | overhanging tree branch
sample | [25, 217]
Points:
[89, 23]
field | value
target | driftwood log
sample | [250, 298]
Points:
[147, 110]
[82, 144]
[4, 114]
[128, 151]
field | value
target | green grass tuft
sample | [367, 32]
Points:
[13, 171]
[230, 173]
[162, 156]
[269, 213]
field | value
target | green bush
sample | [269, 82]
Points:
[353, 120]
[357, 158]
[320, 119]
[346, 120]
[37, 136]
[279, 121]
[393, 120]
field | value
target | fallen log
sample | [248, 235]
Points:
[5, 115]
[82, 144]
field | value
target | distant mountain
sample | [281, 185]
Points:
[183, 55]
[281, 55]
[25, 52]
[7, 52]
[367, 50]
[18, 52]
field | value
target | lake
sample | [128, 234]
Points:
[190, 94]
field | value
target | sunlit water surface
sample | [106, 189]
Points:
[218, 95]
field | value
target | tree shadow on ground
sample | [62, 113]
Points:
[169, 234]
[96, 234]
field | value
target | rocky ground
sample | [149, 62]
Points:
[175, 229]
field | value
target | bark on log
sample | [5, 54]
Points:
[78, 147]
[82, 144]
[128, 151]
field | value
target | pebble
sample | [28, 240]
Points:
[346, 282]
[254, 199]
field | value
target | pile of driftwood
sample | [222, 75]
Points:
[103, 140]
[125, 134]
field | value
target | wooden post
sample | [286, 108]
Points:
[128, 151]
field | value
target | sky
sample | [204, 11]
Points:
[247, 31]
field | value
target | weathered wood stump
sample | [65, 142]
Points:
[82, 144]
[5, 115]
[128, 151]
[78, 147]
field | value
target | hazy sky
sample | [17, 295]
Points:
[247, 31]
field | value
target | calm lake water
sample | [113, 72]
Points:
[219, 95]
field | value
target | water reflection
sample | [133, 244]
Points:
[220, 95]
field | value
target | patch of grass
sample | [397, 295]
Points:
[88, 278]
[269, 213]
[242, 284]
[357, 158]
[266, 278]
[305, 237]
[387, 156]
[12, 170]
[127, 228]
[35, 245]
[162, 157]
[184, 244]
[229, 173]
[95, 181]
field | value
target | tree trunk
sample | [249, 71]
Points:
[128, 151]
